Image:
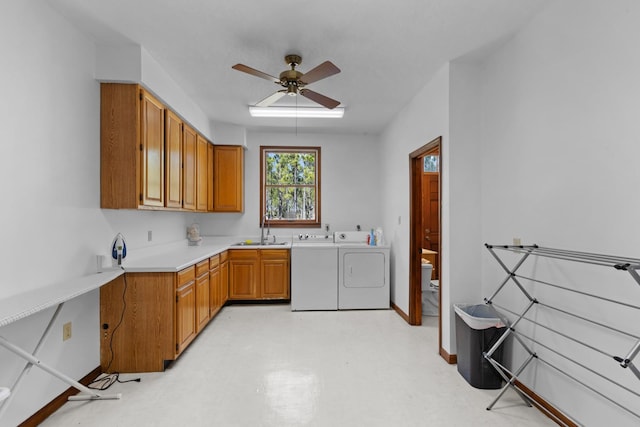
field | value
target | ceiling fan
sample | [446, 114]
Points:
[294, 82]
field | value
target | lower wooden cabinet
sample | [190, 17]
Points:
[243, 274]
[259, 274]
[224, 277]
[148, 319]
[202, 295]
[274, 274]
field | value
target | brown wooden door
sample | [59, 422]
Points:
[202, 174]
[224, 282]
[152, 146]
[173, 152]
[210, 178]
[202, 301]
[243, 274]
[214, 291]
[228, 175]
[431, 216]
[274, 274]
[189, 168]
[185, 316]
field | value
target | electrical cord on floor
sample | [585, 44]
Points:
[107, 380]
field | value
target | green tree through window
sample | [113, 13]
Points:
[290, 181]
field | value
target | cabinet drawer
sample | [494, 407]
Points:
[275, 254]
[243, 254]
[224, 256]
[214, 262]
[185, 276]
[202, 267]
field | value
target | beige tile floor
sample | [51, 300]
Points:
[263, 365]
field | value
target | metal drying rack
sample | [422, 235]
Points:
[626, 361]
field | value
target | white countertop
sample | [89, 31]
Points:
[179, 255]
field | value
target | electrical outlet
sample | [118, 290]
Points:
[66, 331]
[149, 235]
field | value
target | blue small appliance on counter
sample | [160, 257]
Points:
[118, 250]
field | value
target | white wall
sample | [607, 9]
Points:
[425, 118]
[463, 281]
[560, 105]
[51, 223]
[350, 173]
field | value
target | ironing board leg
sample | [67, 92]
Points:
[32, 360]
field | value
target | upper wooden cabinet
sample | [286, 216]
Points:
[189, 168]
[202, 174]
[173, 155]
[132, 148]
[228, 171]
[150, 158]
[210, 178]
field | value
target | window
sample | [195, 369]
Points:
[290, 186]
[431, 163]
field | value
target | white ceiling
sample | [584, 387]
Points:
[387, 49]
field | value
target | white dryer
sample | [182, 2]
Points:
[363, 272]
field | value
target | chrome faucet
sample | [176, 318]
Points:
[264, 239]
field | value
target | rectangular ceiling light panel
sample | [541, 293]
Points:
[299, 112]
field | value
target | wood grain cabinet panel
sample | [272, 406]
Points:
[259, 274]
[152, 130]
[210, 178]
[173, 156]
[215, 292]
[274, 274]
[131, 148]
[144, 339]
[186, 327]
[224, 277]
[228, 175]
[189, 171]
[243, 274]
[202, 295]
[202, 173]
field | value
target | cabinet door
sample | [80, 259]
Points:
[173, 168]
[243, 274]
[202, 301]
[152, 150]
[209, 177]
[224, 282]
[214, 291]
[185, 316]
[228, 174]
[189, 168]
[202, 174]
[274, 278]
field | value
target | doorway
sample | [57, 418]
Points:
[425, 226]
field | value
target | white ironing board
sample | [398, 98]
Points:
[19, 306]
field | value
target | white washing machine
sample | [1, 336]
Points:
[314, 271]
[363, 272]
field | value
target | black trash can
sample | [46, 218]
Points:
[477, 330]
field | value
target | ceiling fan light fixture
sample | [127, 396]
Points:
[299, 112]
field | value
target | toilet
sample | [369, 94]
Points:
[429, 291]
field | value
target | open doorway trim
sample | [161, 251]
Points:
[415, 235]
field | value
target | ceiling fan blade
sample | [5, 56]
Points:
[271, 98]
[254, 72]
[320, 99]
[322, 71]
